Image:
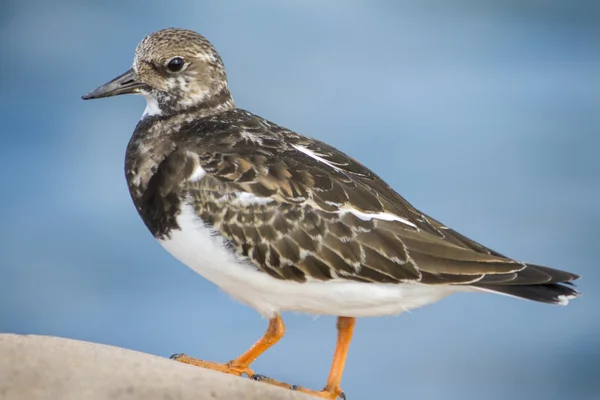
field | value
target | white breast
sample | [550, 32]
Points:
[204, 251]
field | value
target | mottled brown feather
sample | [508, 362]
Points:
[298, 231]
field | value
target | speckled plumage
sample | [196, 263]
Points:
[290, 206]
[283, 222]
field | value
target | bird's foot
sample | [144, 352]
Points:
[228, 368]
[327, 393]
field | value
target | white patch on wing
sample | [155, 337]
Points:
[246, 199]
[152, 107]
[382, 216]
[251, 137]
[316, 156]
[204, 250]
[243, 199]
[197, 174]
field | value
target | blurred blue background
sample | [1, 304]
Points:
[485, 115]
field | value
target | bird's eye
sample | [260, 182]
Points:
[175, 64]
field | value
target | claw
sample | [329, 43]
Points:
[259, 377]
[326, 393]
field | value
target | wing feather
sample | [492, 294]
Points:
[319, 214]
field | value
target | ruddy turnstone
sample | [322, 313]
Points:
[283, 222]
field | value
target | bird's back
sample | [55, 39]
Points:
[300, 210]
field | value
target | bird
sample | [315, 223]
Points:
[284, 222]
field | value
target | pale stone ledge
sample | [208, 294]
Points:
[52, 368]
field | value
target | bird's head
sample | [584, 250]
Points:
[175, 70]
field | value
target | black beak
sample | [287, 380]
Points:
[123, 84]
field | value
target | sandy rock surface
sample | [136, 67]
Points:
[46, 367]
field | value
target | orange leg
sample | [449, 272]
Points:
[332, 390]
[241, 365]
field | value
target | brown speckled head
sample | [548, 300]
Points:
[182, 70]
[176, 70]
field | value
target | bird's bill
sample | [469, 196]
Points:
[123, 84]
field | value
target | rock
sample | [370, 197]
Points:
[45, 367]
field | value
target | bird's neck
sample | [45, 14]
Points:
[201, 104]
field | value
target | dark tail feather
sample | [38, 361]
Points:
[552, 293]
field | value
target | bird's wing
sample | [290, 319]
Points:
[300, 209]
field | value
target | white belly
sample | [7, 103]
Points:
[201, 249]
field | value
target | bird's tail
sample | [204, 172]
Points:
[553, 293]
[535, 282]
